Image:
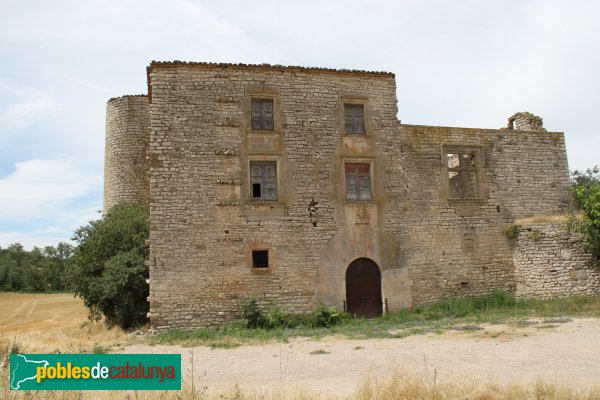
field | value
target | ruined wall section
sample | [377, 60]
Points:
[203, 222]
[550, 262]
[127, 140]
[455, 247]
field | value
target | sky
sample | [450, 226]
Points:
[457, 63]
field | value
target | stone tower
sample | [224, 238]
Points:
[125, 157]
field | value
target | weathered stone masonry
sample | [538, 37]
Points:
[550, 262]
[239, 162]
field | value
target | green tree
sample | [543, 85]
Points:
[56, 263]
[34, 271]
[586, 190]
[107, 270]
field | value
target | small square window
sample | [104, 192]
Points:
[354, 119]
[262, 114]
[260, 258]
[358, 182]
[263, 180]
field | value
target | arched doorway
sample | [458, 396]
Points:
[363, 288]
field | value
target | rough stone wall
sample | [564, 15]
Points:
[525, 121]
[127, 141]
[203, 224]
[455, 247]
[550, 262]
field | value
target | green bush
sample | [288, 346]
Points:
[108, 270]
[253, 316]
[278, 317]
[586, 190]
[326, 317]
[511, 231]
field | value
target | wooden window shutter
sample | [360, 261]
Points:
[354, 118]
[262, 117]
[358, 181]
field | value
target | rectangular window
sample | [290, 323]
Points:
[260, 258]
[262, 114]
[354, 119]
[462, 174]
[263, 180]
[358, 182]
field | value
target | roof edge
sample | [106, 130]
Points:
[264, 66]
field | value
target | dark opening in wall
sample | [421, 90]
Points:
[260, 258]
[256, 190]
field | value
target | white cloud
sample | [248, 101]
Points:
[24, 112]
[45, 190]
[22, 106]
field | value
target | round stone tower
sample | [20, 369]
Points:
[126, 166]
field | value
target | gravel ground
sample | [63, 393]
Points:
[559, 350]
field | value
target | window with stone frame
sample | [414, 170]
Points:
[260, 258]
[358, 182]
[263, 180]
[463, 170]
[263, 115]
[354, 119]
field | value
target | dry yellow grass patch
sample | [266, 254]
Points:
[397, 387]
[546, 219]
[51, 322]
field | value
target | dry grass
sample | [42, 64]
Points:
[409, 386]
[546, 219]
[397, 387]
[45, 323]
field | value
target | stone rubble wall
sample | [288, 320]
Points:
[526, 121]
[550, 262]
[456, 247]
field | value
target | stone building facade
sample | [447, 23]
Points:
[295, 185]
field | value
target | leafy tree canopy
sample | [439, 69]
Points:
[38, 270]
[586, 190]
[108, 270]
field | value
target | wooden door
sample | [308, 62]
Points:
[363, 288]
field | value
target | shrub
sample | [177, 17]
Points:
[253, 316]
[510, 231]
[278, 317]
[586, 190]
[108, 270]
[326, 317]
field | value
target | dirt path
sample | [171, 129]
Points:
[499, 353]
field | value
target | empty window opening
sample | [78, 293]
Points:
[354, 119]
[256, 192]
[462, 174]
[263, 176]
[358, 182]
[262, 114]
[260, 258]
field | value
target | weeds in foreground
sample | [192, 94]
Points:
[460, 313]
[398, 386]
